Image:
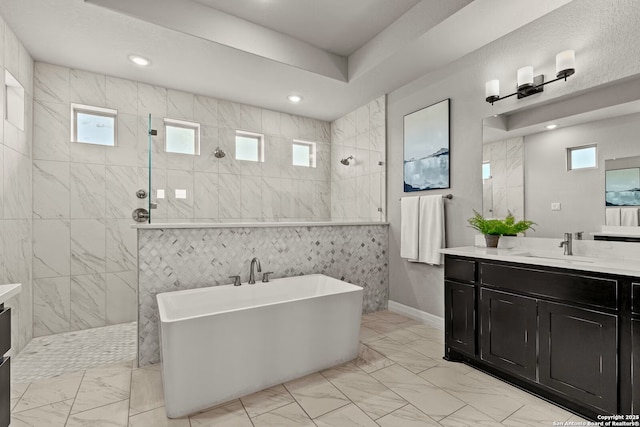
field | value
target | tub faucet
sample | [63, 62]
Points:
[252, 274]
[567, 243]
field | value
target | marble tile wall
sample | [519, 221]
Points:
[504, 191]
[16, 191]
[84, 252]
[358, 191]
[176, 259]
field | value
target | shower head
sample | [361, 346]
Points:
[219, 153]
[346, 161]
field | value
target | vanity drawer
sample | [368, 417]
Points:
[635, 298]
[575, 288]
[462, 270]
[5, 331]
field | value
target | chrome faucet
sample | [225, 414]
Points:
[252, 274]
[567, 243]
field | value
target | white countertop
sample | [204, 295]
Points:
[9, 291]
[251, 224]
[624, 267]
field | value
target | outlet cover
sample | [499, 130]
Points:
[556, 206]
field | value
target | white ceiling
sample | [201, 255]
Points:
[337, 26]
[256, 51]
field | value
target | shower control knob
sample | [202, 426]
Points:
[140, 215]
[141, 194]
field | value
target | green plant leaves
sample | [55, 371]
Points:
[499, 226]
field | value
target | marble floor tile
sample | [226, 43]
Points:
[399, 353]
[495, 399]
[431, 349]
[426, 397]
[347, 416]
[370, 360]
[390, 317]
[52, 390]
[316, 395]
[371, 396]
[52, 355]
[537, 414]
[266, 400]
[52, 415]
[157, 418]
[469, 416]
[146, 390]
[230, 415]
[428, 332]
[112, 415]
[407, 416]
[18, 389]
[290, 415]
[368, 335]
[403, 336]
[102, 386]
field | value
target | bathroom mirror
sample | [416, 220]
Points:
[548, 163]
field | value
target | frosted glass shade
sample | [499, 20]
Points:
[492, 90]
[565, 63]
[525, 77]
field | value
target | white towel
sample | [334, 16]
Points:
[629, 217]
[409, 208]
[431, 234]
[612, 216]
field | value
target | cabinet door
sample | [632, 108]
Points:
[460, 311]
[508, 334]
[578, 354]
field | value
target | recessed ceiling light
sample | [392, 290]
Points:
[139, 60]
[550, 127]
[294, 98]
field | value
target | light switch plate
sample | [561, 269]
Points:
[555, 206]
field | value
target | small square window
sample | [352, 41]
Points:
[582, 157]
[93, 125]
[486, 170]
[249, 146]
[181, 137]
[304, 153]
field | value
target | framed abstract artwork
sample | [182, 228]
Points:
[426, 148]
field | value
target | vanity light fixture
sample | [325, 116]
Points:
[294, 98]
[139, 60]
[528, 83]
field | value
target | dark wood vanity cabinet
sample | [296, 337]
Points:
[5, 346]
[566, 335]
[508, 331]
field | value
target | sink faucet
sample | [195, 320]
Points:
[252, 274]
[567, 243]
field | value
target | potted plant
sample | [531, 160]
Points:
[494, 228]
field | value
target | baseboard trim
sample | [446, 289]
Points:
[419, 315]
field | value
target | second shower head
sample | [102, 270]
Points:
[219, 153]
[346, 160]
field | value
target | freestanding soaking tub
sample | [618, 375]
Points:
[224, 342]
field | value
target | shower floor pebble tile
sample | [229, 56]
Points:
[52, 355]
[403, 383]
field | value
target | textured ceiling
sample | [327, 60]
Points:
[199, 49]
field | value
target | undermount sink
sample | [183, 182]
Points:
[564, 258]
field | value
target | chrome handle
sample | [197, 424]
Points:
[265, 276]
[236, 280]
[140, 215]
[578, 235]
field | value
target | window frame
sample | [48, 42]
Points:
[184, 124]
[252, 135]
[570, 150]
[488, 163]
[312, 152]
[94, 111]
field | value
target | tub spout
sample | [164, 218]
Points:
[252, 274]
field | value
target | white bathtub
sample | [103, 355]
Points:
[224, 342]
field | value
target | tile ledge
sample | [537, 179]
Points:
[253, 224]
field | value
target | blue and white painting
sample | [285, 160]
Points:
[622, 187]
[426, 148]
